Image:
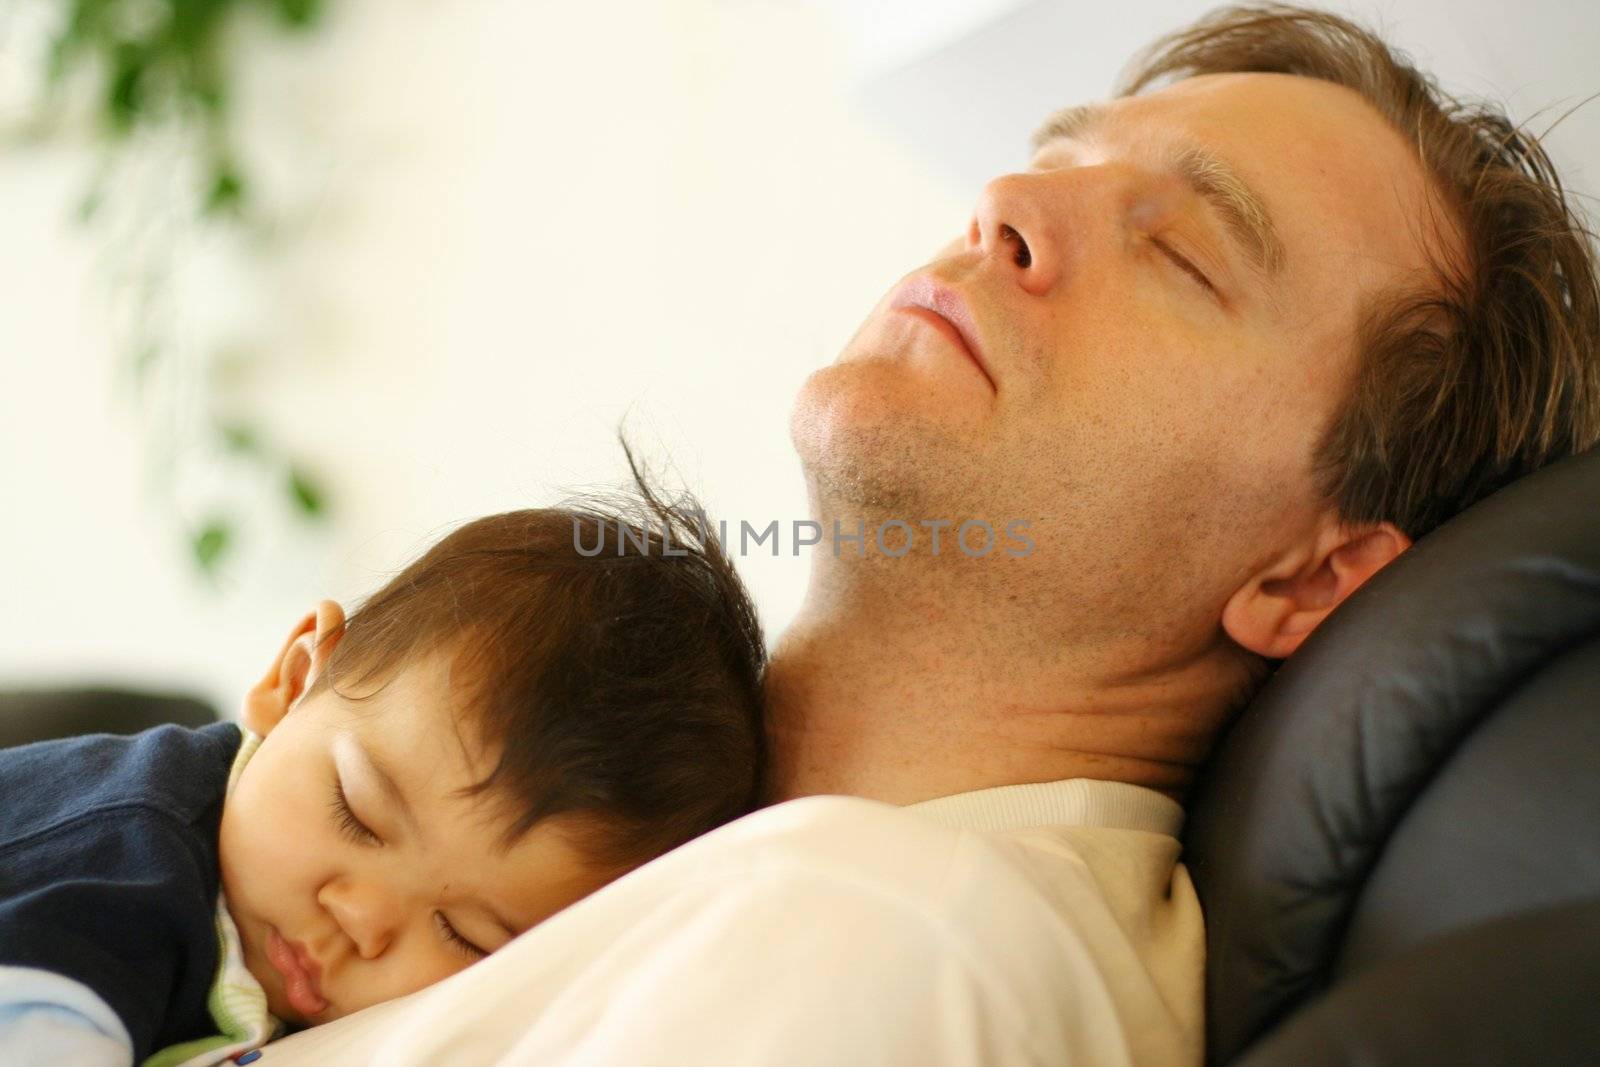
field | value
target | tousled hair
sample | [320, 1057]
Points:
[606, 649]
[1495, 370]
[1486, 374]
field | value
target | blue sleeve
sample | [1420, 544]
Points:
[108, 871]
[48, 1019]
[140, 931]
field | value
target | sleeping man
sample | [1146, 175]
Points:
[1228, 346]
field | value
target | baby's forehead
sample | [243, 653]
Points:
[426, 725]
[423, 758]
[430, 704]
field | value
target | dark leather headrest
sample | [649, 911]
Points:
[1318, 811]
[1518, 990]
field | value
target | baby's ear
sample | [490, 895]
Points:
[302, 660]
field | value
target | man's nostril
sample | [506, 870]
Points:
[1024, 257]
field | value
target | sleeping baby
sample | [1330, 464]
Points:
[513, 721]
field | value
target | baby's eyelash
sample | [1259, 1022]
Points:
[352, 827]
[465, 947]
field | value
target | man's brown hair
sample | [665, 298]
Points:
[1495, 372]
[607, 649]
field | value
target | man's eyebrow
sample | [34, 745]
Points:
[1068, 124]
[1208, 176]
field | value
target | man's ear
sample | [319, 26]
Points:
[1273, 612]
[302, 660]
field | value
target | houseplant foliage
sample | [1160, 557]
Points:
[163, 70]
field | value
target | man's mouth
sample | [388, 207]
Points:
[946, 310]
[299, 971]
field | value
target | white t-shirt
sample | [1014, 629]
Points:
[1035, 924]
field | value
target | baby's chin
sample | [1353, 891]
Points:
[295, 1021]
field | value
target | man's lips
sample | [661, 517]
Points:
[944, 308]
[300, 973]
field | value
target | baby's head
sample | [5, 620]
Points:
[503, 728]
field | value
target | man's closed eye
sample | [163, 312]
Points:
[1185, 265]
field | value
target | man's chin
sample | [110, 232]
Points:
[894, 468]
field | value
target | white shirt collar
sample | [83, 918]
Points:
[1071, 802]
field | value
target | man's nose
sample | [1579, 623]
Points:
[1014, 226]
[367, 911]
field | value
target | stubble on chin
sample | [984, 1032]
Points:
[903, 472]
[875, 438]
[857, 483]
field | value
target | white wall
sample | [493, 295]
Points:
[501, 226]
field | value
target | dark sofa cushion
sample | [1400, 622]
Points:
[28, 715]
[1440, 657]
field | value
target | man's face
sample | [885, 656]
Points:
[343, 900]
[1157, 430]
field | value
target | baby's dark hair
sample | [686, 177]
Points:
[607, 648]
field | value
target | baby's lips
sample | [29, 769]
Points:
[299, 972]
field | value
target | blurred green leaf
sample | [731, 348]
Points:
[168, 64]
[211, 95]
[211, 544]
[227, 192]
[89, 205]
[125, 90]
[79, 30]
[60, 58]
[305, 492]
[299, 13]
[144, 359]
[240, 439]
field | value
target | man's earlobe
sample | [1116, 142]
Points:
[1279, 607]
[298, 664]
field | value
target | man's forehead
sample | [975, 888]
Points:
[1084, 120]
[1222, 90]
[1076, 122]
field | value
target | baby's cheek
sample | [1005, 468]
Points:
[264, 862]
[400, 978]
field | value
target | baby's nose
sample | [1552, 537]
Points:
[366, 910]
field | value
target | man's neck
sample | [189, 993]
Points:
[926, 704]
